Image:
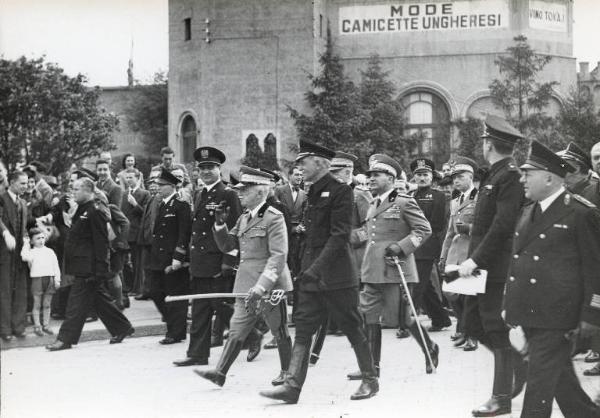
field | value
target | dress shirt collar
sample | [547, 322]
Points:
[165, 201]
[209, 187]
[548, 201]
[12, 195]
[382, 197]
[254, 211]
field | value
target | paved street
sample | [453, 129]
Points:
[136, 379]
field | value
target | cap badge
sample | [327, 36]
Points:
[204, 153]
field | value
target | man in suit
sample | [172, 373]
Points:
[87, 259]
[211, 270]
[260, 236]
[13, 284]
[553, 287]
[132, 207]
[395, 227]
[113, 192]
[496, 212]
[328, 275]
[433, 204]
[168, 255]
[458, 234]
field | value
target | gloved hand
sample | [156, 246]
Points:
[10, 241]
[221, 213]
[252, 301]
[227, 271]
[441, 265]
[394, 250]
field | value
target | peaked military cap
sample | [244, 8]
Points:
[422, 164]
[276, 177]
[342, 160]
[464, 164]
[381, 163]
[308, 149]
[499, 129]
[84, 172]
[52, 181]
[542, 158]
[253, 176]
[209, 155]
[575, 153]
[166, 177]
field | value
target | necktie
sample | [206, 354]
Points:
[378, 202]
[462, 199]
[537, 212]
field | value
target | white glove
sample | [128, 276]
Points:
[10, 241]
[467, 267]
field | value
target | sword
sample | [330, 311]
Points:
[273, 298]
[414, 312]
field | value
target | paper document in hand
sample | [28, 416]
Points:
[468, 285]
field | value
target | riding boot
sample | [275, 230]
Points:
[289, 392]
[230, 352]
[433, 348]
[374, 339]
[318, 343]
[369, 385]
[284, 347]
[500, 402]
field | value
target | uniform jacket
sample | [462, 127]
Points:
[8, 218]
[113, 191]
[205, 256]
[496, 213]
[327, 255]
[398, 220]
[171, 233]
[588, 188]
[262, 243]
[86, 246]
[148, 218]
[455, 249]
[433, 204]
[135, 213]
[362, 201]
[284, 194]
[555, 266]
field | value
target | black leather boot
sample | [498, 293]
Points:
[289, 392]
[520, 373]
[230, 352]
[318, 342]
[374, 340]
[254, 342]
[434, 349]
[500, 402]
[369, 385]
[284, 347]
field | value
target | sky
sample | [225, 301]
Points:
[94, 37]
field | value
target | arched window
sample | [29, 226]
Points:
[189, 135]
[427, 115]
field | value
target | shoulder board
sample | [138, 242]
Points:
[274, 210]
[583, 200]
[512, 167]
[229, 189]
[339, 180]
[405, 195]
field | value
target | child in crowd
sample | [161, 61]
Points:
[45, 277]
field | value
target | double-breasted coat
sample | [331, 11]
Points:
[171, 234]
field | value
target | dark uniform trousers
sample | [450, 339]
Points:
[86, 294]
[202, 312]
[481, 316]
[551, 375]
[426, 296]
[174, 313]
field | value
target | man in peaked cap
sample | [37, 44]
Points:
[553, 285]
[327, 279]
[395, 226]
[211, 270]
[580, 181]
[169, 251]
[260, 236]
[433, 204]
[497, 209]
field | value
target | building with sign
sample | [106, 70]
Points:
[236, 65]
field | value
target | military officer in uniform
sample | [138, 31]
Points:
[211, 270]
[496, 212]
[261, 237]
[581, 181]
[458, 234]
[433, 204]
[169, 251]
[395, 227]
[328, 283]
[553, 285]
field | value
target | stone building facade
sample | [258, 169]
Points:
[589, 82]
[235, 65]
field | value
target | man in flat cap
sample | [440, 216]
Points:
[395, 227]
[433, 204]
[553, 288]
[169, 251]
[261, 237]
[328, 283]
[497, 209]
[458, 235]
[211, 270]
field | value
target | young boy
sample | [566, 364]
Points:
[45, 277]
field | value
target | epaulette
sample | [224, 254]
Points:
[274, 210]
[339, 180]
[405, 195]
[583, 200]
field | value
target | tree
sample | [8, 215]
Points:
[254, 154]
[470, 131]
[148, 113]
[50, 117]
[336, 116]
[578, 121]
[522, 98]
